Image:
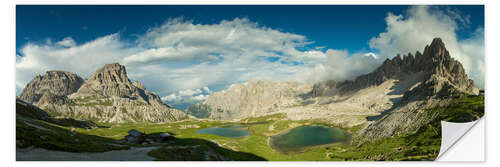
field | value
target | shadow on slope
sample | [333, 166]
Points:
[192, 149]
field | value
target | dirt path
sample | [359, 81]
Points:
[40, 154]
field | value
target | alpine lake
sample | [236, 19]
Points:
[226, 130]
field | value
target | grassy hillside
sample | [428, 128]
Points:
[423, 145]
[35, 129]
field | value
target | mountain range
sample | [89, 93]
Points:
[393, 99]
[107, 96]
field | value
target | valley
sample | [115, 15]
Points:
[256, 145]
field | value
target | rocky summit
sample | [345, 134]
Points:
[112, 81]
[440, 78]
[107, 96]
[52, 85]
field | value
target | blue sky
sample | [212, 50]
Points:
[296, 42]
[339, 26]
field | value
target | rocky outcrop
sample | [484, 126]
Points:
[51, 87]
[250, 99]
[107, 96]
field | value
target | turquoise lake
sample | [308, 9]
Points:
[302, 137]
[233, 131]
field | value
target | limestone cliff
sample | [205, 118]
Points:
[250, 99]
[53, 86]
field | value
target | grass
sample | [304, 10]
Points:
[465, 108]
[37, 133]
[34, 128]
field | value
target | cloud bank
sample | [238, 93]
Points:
[199, 94]
[183, 60]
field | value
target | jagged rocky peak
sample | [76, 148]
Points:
[444, 74]
[139, 85]
[53, 83]
[438, 67]
[442, 77]
[111, 73]
[437, 48]
[110, 80]
[443, 62]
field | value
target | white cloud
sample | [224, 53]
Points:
[199, 94]
[199, 97]
[340, 65]
[206, 89]
[170, 97]
[474, 48]
[180, 55]
[371, 54]
[189, 92]
[179, 40]
[67, 42]
[407, 34]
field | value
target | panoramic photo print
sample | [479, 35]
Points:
[244, 82]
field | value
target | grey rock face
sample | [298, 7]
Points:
[250, 99]
[48, 87]
[107, 96]
[112, 81]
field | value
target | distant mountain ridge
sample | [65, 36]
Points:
[250, 99]
[435, 63]
[107, 96]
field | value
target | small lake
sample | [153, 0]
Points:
[227, 130]
[299, 138]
